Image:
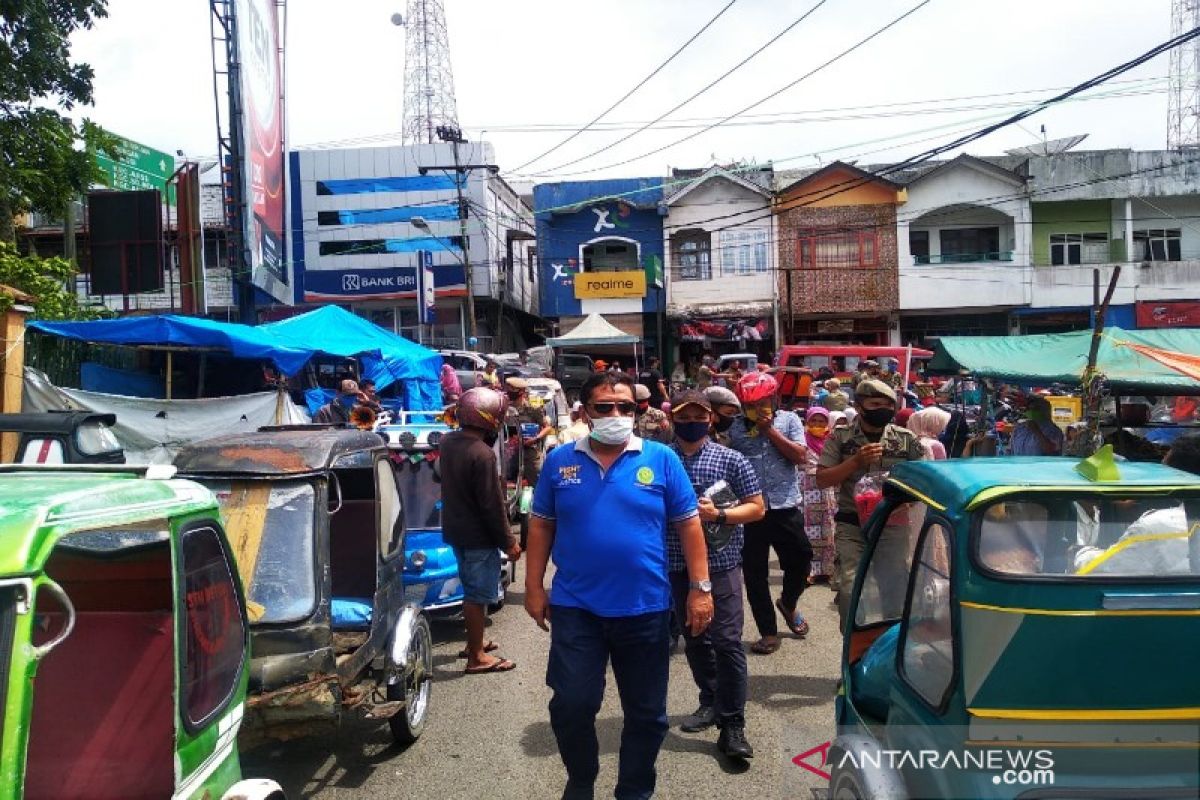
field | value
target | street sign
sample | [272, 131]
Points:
[138, 167]
[428, 297]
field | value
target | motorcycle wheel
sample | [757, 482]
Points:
[414, 687]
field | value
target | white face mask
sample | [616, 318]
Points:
[612, 430]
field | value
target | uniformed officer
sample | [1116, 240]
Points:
[651, 423]
[534, 427]
[870, 442]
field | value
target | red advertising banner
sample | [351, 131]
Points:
[1179, 314]
[262, 132]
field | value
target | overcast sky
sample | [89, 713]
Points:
[561, 62]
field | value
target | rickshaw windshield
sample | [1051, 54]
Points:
[270, 526]
[1079, 537]
[422, 494]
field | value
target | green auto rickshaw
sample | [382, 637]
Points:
[1024, 627]
[123, 638]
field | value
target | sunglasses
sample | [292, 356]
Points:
[624, 407]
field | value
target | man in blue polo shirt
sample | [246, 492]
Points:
[602, 509]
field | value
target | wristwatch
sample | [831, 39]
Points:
[721, 517]
[704, 585]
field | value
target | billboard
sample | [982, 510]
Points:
[262, 143]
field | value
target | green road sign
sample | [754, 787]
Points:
[138, 167]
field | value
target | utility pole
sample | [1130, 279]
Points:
[454, 136]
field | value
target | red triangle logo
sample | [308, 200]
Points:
[823, 749]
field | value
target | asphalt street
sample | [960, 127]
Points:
[489, 735]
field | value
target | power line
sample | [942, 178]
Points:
[860, 43]
[640, 84]
[703, 90]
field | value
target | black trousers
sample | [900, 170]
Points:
[716, 657]
[783, 530]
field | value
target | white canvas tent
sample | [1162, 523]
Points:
[596, 331]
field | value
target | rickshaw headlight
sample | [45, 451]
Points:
[418, 560]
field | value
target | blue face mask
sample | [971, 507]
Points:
[691, 431]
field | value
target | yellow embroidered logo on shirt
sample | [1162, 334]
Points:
[645, 476]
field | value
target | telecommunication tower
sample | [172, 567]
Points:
[1183, 114]
[428, 76]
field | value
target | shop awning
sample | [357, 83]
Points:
[1134, 362]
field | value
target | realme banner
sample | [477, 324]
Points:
[597, 285]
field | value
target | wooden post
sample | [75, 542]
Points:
[170, 371]
[13, 364]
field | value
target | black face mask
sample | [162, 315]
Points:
[723, 423]
[877, 417]
[490, 438]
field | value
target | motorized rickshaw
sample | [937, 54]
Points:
[316, 519]
[123, 638]
[1030, 625]
[430, 568]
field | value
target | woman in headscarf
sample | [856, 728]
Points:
[928, 424]
[819, 504]
[451, 388]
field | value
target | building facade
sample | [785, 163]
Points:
[600, 249]
[367, 220]
[838, 255]
[721, 257]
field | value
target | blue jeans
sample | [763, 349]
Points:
[581, 644]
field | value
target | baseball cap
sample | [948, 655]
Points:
[640, 392]
[690, 397]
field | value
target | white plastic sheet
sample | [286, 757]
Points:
[152, 431]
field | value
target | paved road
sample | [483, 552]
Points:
[489, 736]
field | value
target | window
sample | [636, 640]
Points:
[1078, 248]
[693, 254]
[1158, 244]
[744, 252]
[882, 597]
[214, 639]
[927, 652]
[964, 245]
[612, 255]
[918, 245]
[832, 249]
[391, 510]
[1097, 536]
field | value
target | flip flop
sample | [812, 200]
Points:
[499, 665]
[489, 647]
[764, 648]
[797, 628]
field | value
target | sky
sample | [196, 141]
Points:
[559, 63]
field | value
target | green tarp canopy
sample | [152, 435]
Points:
[1135, 362]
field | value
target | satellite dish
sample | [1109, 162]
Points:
[398, 19]
[1050, 148]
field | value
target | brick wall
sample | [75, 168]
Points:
[839, 290]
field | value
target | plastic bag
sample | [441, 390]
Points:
[716, 535]
[868, 493]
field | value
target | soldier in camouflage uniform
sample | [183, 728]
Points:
[650, 423]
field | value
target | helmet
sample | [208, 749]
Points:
[755, 387]
[482, 408]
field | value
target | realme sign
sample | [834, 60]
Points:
[596, 285]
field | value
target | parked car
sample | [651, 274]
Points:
[430, 567]
[571, 370]
[467, 365]
[1044, 608]
[124, 644]
[64, 437]
[316, 516]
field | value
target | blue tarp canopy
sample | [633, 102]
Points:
[170, 330]
[385, 357]
[288, 345]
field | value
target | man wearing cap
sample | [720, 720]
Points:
[651, 423]
[871, 441]
[726, 408]
[533, 426]
[716, 657]
[337, 410]
[868, 370]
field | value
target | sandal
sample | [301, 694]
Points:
[488, 647]
[765, 646]
[499, 665]
[795, 621]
